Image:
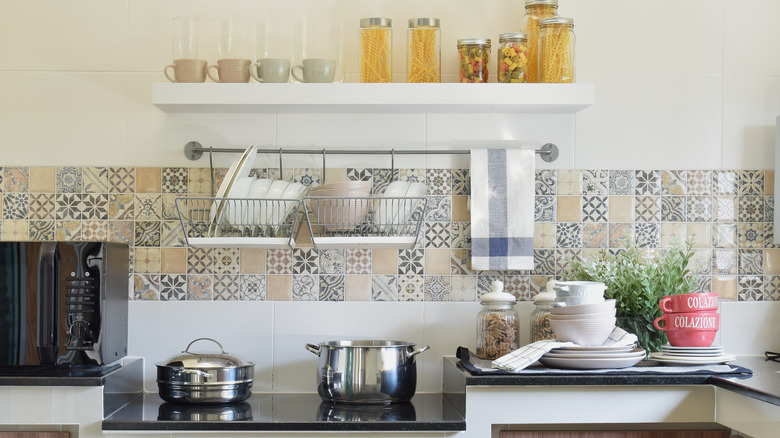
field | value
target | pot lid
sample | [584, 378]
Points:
[189, 359]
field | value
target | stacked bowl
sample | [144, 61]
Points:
[340, 206]
[585, 318]
[689, 320]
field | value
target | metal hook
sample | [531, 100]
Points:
[280, 163]
[322, 178]
[211, 167]
[392, 164]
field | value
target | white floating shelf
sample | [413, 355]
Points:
[373, 98]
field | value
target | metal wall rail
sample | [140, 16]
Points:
[193, 150]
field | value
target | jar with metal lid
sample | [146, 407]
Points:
[474, 58]
[540, 318]
[497, 324]
[423, 53]
[535, 11]
[556, 50]
[512, 57]
[376, 49]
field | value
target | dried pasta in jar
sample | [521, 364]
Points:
[423, 59]
[535, 10]
[474, 58]
[376, 47]
[556, 54]
[512, 58]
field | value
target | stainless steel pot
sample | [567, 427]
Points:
[369, 371]
[205, 377]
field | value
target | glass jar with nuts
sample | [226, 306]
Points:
[497, 324]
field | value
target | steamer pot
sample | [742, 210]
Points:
[366, 371]
[205, 377]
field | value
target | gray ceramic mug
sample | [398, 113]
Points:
[272, 70]
[316, 70]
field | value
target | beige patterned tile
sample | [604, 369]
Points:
[459, 210]
[95, 179]
[673, 232]
[725, 286]
[200, 181]
[147, 260]
[252, 261]
[621, 208]
[437, 261]
[358, 288]
[569, 182]
[67, 230]
[173, 260]
[16, 229]
[94, 230]
[16, 179]
[121, 179]
[544, 235]
[148, 180]
[384, 261]
[279, 287]
[700, 234]
[569, 208]
[42, 179]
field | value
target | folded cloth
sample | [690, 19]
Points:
[502, 209]
[528, 354]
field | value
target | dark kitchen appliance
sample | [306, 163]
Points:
[63, 303]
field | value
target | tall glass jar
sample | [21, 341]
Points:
[474, 58]
[497, 324]
[556, 50]
[535, 10]
[512, 57]
[376, 50]
[540, 318]
[423, 54]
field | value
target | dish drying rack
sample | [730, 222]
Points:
[332, 222]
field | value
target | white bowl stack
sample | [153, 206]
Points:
[585, 318]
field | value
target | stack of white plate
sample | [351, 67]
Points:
[671, 355]
[587, 325]
[592, 358]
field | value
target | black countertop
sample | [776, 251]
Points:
[763, 384]
[288, 412]
[62, 375]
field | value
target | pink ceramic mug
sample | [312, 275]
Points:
[689, 302]
[709, 320]
[691, 338]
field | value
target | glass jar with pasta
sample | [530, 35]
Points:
[474, 58]
[535, 11]
[556, 50]
[512, 57]
[376, 48]
[497, 324]
[423, 54]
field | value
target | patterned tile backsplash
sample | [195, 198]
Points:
[577, 213]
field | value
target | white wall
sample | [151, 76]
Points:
[680, 84]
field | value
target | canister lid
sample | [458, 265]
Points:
[498, 295]
[512, 36]
[556, 20]
[541, 2]
[423, 22]
[376, 21]
[474, 41]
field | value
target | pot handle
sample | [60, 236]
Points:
[419, 350]
[187, 350]
[313, 348]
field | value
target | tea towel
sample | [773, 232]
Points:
[502, 209]
[528, 354]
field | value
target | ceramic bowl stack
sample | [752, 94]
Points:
[340, 206]
[587, 325]
[395, 206]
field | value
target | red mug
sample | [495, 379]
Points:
[689, 302]
[688, 321]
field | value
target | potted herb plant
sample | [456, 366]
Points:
[637, 279]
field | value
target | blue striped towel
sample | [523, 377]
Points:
[502, 209]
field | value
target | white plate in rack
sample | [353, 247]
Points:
[239, 169]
